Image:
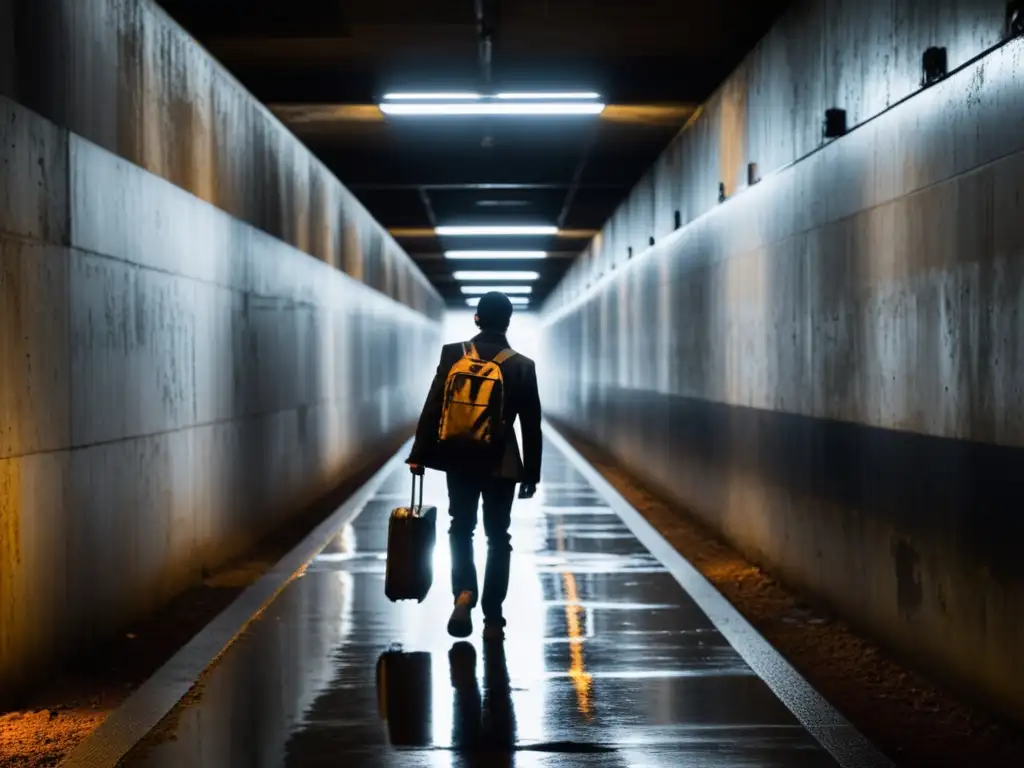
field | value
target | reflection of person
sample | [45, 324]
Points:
[480, 473]
[486, 728]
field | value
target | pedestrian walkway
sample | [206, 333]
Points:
[608, 661]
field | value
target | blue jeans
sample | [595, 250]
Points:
[464, 494]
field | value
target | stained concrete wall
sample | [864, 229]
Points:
[183, 362]
[173, 383]
[828, 368]
[123, 75]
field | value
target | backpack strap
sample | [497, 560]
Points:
[504, 355]
[469, 349]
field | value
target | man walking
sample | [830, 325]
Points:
[466, 430]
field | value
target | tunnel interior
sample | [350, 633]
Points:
[767, 257]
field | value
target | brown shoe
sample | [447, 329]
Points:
[461, 622]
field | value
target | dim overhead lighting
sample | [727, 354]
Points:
[431, 97]
[495, 254]
[497, 275]
[492, 231]
[519, 301]
[480, 289]
[570, 96]
[482, 108]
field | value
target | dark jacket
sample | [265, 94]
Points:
[522, 400]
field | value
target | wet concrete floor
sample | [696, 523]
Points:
[607, 662]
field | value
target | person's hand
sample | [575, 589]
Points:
[416, 469]
[527, 490]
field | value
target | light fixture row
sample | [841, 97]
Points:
[481, 109]
[495, 231]
[506, 289]
[477, 104]
[469, 276]
[507, 96]
[518, 301]
[495, 254]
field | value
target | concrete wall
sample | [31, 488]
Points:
[123, 75]
[828, 368]
[177, 376]
[173, 382]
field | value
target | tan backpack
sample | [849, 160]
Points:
[474, 400]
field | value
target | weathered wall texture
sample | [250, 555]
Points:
[123, 75]
[176, 375]
[828, 368]
[173, 383]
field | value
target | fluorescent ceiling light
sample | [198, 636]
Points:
[471, 289]
[492, 108]
[519, 301]
[540, 96]
[471, 276]
[431, 97]
[490, 231]
[495, 254]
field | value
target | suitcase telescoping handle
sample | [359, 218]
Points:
[412, 503]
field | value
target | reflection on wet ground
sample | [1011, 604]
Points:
[608, 662]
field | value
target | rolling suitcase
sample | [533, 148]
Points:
[412, 530]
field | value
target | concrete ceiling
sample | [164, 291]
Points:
[322, 65]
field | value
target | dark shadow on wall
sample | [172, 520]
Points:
[40, 59]
[8, 58]
[927, 489]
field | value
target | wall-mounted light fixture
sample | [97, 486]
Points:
[934, 65]
[835, 123]
[1014, 19]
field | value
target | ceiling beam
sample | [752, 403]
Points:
[330, 116]
[438, 256]
[627, 78]
[376, 168]
[335, 40]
